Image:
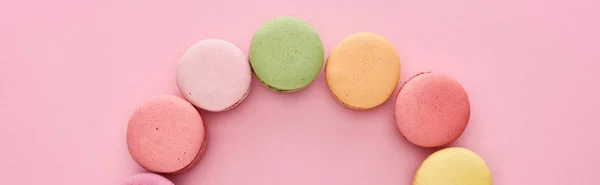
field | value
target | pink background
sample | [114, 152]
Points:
[72, 71]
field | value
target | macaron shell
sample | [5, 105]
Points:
[165, 134]
[453, 166]
[214, 75]
[239, 101]
[286, 54]
[432, 110]
[147, 179]
[362, 71]
[197, 158]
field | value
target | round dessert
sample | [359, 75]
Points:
[453, 166]
[432, 110]
[286, 54]
[214, 75]
[147, 179]
[362, 71]
[166, 135]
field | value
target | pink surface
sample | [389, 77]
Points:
[73, 71]
[214, 75]
[432, 109]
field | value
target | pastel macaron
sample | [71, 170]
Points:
[453, 166]
[286, 54]
[362, 71]
[147, 179]
[166, 135]
[214, 75]
[432, 109]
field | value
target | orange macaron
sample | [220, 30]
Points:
[363, 70]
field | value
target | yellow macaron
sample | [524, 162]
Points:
[453, 166]
[362, 71]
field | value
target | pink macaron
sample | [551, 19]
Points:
[166, 135]
[214, 75]
[147, 179]
[432, 110]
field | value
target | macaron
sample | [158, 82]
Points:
[214, 75]
[166, 135]
[147, 179]
[453, 166]
[432, 109]
[362, 71]
[286, 54]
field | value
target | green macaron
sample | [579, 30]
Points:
[286, 54]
